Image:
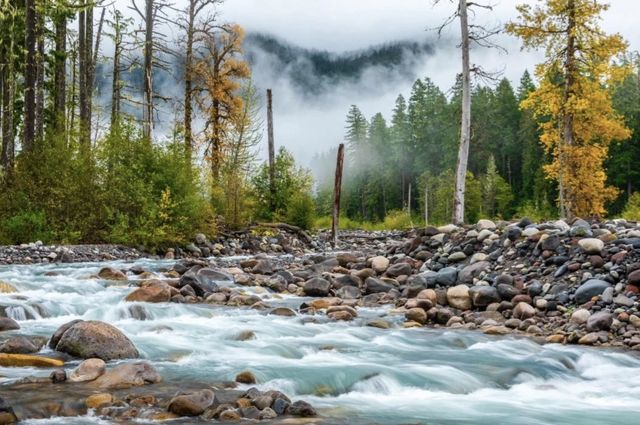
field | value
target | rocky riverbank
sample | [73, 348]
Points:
[554, 282]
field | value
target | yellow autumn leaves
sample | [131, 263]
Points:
[573, 101]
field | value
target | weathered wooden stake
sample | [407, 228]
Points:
[409, 202]
[336, 195]
[426, 205]
[272, 154]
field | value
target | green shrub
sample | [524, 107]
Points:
[632, 209]
[25, 226]
[397, 220]
[301, 211]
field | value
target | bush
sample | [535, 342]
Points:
[301, 211]
[632, 209]
[397, 220]
[25, 226]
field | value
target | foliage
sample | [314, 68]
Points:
[131, 192]
[574, 96]
[632, 209]
[301, 210]
[291, 180]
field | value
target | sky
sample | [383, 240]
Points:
[345, 25]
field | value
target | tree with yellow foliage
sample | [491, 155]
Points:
[573, 101]
[218, 74]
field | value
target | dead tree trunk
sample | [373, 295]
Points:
[337, 189]
[465, 131]
[147, 112]
[272, 159]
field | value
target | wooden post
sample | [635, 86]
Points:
[336, 195]
[426, 205]
[409, 202]
[272, 154]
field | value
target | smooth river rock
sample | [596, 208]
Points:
[94, 339]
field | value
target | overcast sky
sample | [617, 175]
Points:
[345, 25]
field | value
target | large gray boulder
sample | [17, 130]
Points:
[316, 287]
[95, 339]
[590, 289]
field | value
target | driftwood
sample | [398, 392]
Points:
[289, 228]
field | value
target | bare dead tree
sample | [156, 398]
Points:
[480, 35]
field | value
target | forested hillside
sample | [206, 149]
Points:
[412, 154]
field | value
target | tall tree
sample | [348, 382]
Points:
[30, 76]
[7, 76]
[469, 33]
[218, 73]
[574, 94]
[196, 20]
[60, 66]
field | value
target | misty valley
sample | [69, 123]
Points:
[319, 212]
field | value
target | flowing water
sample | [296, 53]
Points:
[350, 372]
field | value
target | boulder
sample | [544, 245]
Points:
[459, 297]
[128, 375]
[191, 404]
[282, 311]
[484, 224]
[246, 377]
[379, 264]
[316, 287]
[580, 316]
[523, 311]
[399, 270]
[591, 245]
[302, 409]
[482, 296]
[600, 321]
[8, 324]
[95, 339]
[96, 401]
[467, 274]
[590, 289]
[416, 315]
[150, 294]
[88, 370]
[374, 285]
[21, 345]
[447, 276]
[110, 273]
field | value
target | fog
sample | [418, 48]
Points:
[312, 120]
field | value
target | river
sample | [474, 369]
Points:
[350, 372]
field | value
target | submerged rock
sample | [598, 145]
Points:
[88, 370]
[128, 375]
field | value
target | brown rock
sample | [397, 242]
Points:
[98, 400]
[246, 377]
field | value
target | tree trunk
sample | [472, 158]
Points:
[465, 131]
[115, 83]
[188, 81]
[82, 77]
[272, 150]
[337, 189]
[89, 69]
[71, 107]
[567, 122]
[147, 113]
[40, 55]
[8, 93]
[60, 74]
[30, 76]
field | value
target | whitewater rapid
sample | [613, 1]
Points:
[352, 373]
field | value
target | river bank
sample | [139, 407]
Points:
[370, 333]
